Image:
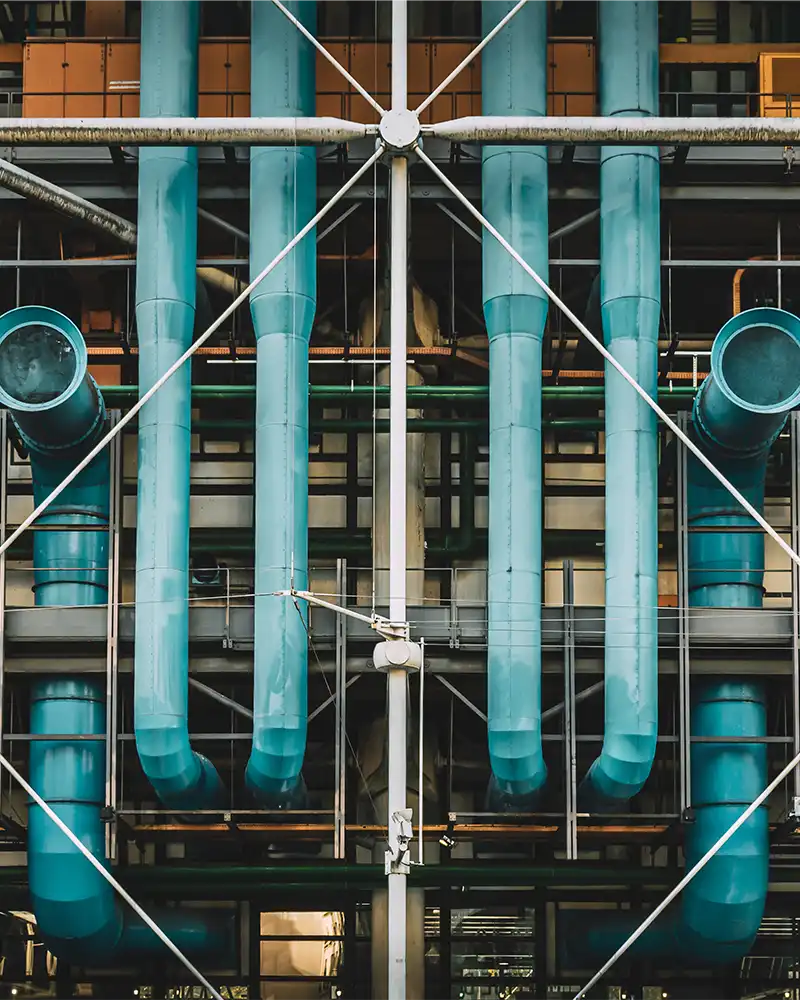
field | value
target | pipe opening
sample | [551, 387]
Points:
[37, 364]
[761, 365]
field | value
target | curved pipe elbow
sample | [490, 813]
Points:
[276, 759]
[518, 769]
[620, 771]
[181, 777]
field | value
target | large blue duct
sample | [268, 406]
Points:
[630, 290]
[514, 186]
[165, 298]
[738, 413]
[60, 416]
[282, 200]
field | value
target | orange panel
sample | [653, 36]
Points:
[446, 56]
[720, 53]
[419, 67]
[122, 79]
[442, 109]
[241, 105]
[11, 53]
[238, 76]
[360, 111]
[43, 80]
[370, 65]
[106, 374]
[84, 79]
[466, 86]
[329, 79]
[105, 18]
[332, 105]
[212, 81]
[572, 77]
[468, 104]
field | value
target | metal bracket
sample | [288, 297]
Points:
[383, 626]
[397, 860]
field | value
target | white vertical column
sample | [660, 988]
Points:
[398, 307]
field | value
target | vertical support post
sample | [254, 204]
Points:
[570, 765]
[421, 763]
[794, 424]
[18, 288]
[540, 943]
[397, 678]
[779, 241]
[398, 374]
[112, 637]
[340, 795]
[684, 665]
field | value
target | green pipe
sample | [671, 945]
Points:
[117, 394]
[237, 879]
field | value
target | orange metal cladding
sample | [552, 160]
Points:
[462, 831]
[105, 18]
[95, 77]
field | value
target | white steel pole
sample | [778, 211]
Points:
[398, 312]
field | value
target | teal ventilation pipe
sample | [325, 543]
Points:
[165, 297]
[60, 416]
[630, 306]
[282, 200]
[738, 414]
[514, 186]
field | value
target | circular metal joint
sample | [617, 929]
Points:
[397, 654]
[399, 129]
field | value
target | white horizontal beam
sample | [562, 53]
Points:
[611, 131]
[180, 131]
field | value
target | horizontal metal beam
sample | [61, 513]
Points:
[230, 262]
[180, 131]
[322, 131]
[612, 131]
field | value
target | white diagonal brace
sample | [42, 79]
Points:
[131, 413]
[109, 877]
[331, 59]
[676, 430]
[468, 58]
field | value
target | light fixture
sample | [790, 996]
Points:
[337, 993]
[664, 995]
[14, 991]
[447, 840]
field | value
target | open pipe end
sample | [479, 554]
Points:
[42, 359]
[44, 380]
[756, 360]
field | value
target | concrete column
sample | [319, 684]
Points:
[415, 944]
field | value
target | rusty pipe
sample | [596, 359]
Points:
[36, 188]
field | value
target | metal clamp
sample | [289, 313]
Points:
[397, 654]
[397, 860]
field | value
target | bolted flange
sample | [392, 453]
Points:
[399, 129]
